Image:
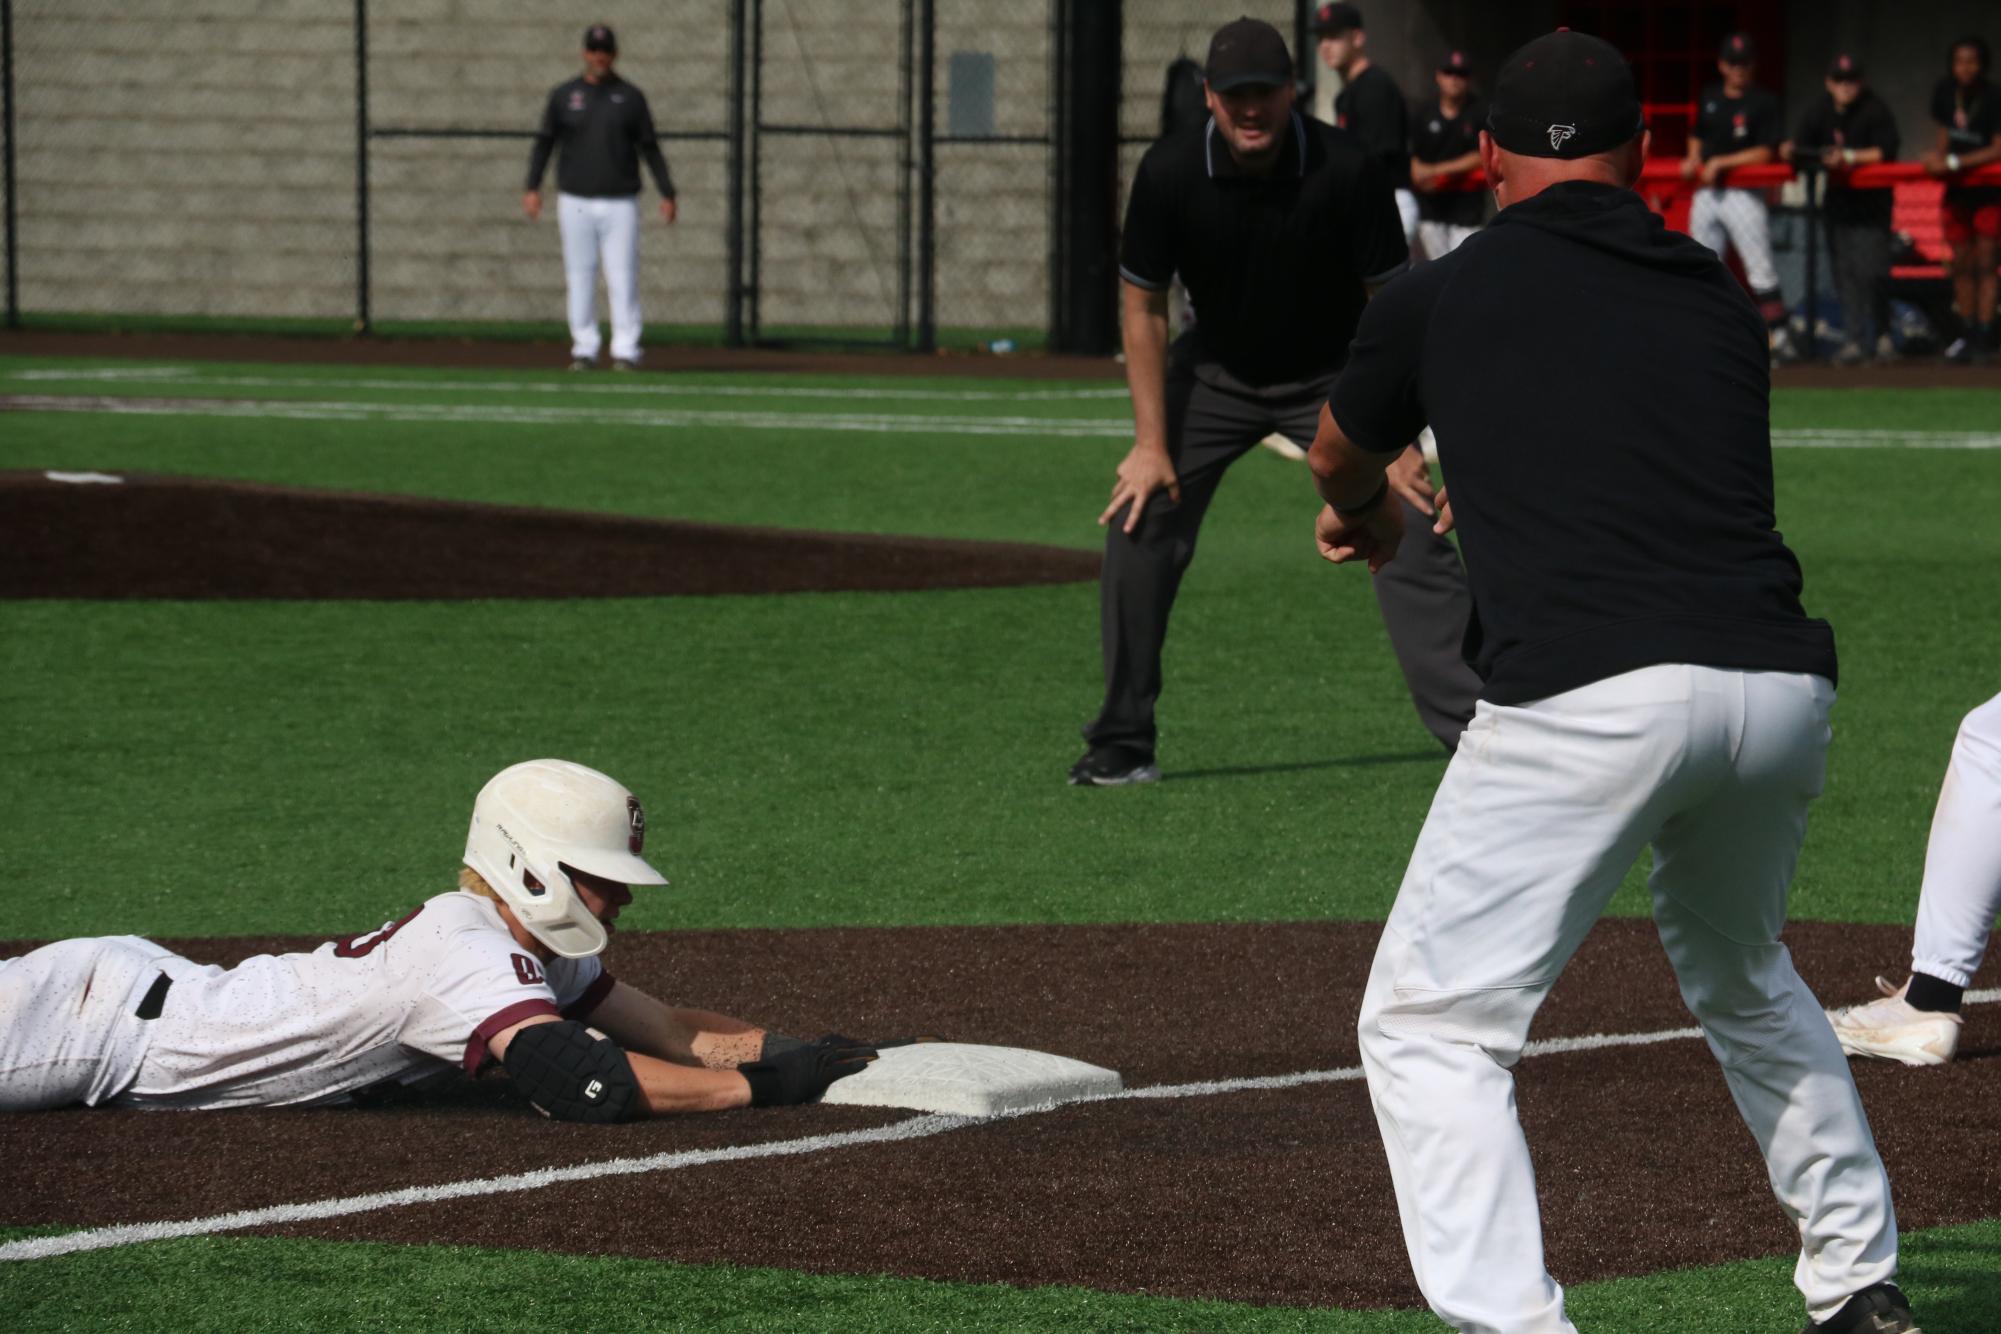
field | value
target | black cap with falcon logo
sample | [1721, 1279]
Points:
[1564, 95]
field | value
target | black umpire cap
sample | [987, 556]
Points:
[1564, 95]
[597, 37]
[1737, 49]
[1333, 20]
[1455, 62]
[1247, 51]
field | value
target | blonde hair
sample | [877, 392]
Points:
[473, 882]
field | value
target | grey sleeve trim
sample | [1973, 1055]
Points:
[1147, 283]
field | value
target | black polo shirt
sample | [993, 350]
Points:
[604, 128]
[1438, 137]
[1370, 106]
[1598, 388]
[1276, 265]
[1732, 124]
[1971, 117]
[1867, 123]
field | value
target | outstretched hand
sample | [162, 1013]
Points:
[803, 1073]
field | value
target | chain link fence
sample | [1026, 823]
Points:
[872, 170]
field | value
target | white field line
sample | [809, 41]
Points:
[181, 375]
[916, 1127]
[797, 422]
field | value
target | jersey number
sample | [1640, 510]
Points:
[356, 946]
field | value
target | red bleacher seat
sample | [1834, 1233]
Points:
[1916, 212]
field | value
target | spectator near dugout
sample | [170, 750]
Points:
[1847, 127]
[1444, 142]
[604, 127]
[1371, 106]
[1967, 107]
[1737, 125]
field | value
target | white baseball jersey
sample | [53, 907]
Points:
[410, 999]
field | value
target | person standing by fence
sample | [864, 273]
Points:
[1446, 142]
[605, 127]
[1849, 127]
[1737, 125]
[1967, 107]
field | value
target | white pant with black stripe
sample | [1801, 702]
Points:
[1962, 889]
[1540, 813]
[1739, 219]
[69, 1028]
[604, 230]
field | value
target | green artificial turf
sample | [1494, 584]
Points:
[197, 768]
[235, 1283]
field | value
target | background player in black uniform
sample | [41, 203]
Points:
[1737, 125]
[1445, 139]
[605, 127]
[1371, 106]
[1281, 227]
[1849, 126]
[1967, 107]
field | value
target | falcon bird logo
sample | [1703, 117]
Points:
[1559, 135]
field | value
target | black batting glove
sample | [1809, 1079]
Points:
[803, 1073]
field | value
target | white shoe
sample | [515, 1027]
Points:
[1892, 1030]
[1281, 444]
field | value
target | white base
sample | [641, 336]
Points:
[968, 1079]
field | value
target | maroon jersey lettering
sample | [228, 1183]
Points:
[527, 970]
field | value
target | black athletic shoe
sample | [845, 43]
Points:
[1878, 1310]
[582, 364]
[625, 364]
[1113, 766]
[1960, 350]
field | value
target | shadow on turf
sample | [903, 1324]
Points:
[1301, 766]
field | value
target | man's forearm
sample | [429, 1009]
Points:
[669, 1088]
[1145, 339]
[1348, 477]
[1748, 157]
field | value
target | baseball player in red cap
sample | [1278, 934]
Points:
[503, 972]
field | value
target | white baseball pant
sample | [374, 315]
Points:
[1540, 813]
[1407, 214]
[1962, 889]
[1737, 218]
[69, 1031]
[1442, 238]
[606, 229]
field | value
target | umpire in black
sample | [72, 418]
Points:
[1280, 227]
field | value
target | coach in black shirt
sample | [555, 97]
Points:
[1280, 227]
[1847, 127]
[1598, 386]
[604, 127]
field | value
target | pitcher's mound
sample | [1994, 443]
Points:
[135, 535]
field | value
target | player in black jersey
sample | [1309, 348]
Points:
[1444, 141]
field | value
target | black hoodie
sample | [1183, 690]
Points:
[1598, 386]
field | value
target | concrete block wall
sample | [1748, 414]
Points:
[198, 157]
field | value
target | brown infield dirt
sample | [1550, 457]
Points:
[175, 537]
[1278, 1197]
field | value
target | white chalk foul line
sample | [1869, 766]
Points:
[917, 1127]
[776, 420]
[181, 375]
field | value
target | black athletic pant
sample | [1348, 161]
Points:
[1212, 421]
[1860, 253]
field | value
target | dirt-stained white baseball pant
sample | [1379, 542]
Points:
[1739, 219]
[606, 229]
[69, 1028]
[1541, 812]
[1962, 889]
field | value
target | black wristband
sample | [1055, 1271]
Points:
[1366, 507]
[766, 1087]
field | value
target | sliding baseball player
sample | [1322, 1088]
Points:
[502, 973]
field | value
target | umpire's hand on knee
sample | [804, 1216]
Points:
[1144, 470]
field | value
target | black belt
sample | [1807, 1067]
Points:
[156, 996]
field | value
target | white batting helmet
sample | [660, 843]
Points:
[535, 823]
